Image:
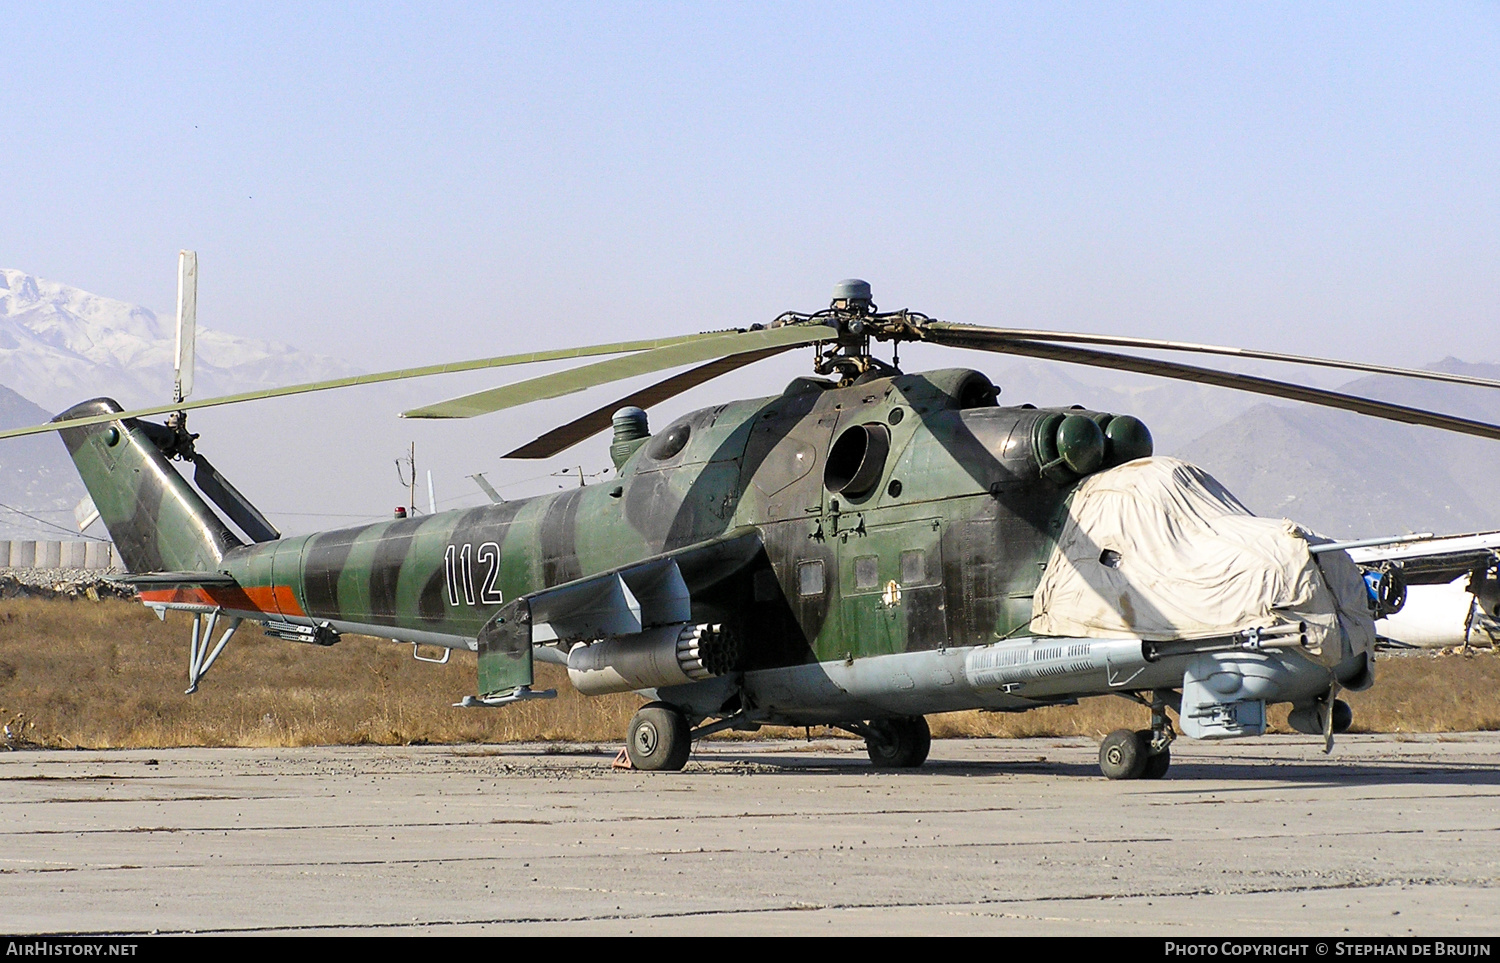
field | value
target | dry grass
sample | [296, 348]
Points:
[108, 674]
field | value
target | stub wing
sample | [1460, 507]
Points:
[635, 622]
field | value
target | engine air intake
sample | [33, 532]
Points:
[857, 460]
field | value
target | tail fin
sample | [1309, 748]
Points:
[157, 521]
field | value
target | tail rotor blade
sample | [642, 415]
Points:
[187, 322]
[236, 506]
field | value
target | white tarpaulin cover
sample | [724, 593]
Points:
[1157, 549]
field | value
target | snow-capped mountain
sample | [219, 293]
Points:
[60, 345]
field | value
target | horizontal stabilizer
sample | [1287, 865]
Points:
[173, 579]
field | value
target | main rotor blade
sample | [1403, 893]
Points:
[400, 374]
[566, 436]
[984, 340]
[615, 369]
[1121, 341]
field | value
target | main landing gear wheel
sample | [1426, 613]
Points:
[659, 738]
[1123, 754]
[900, 743]
[1127, 755]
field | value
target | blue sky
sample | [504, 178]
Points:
[403, 183]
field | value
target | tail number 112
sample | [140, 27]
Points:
[458, 571]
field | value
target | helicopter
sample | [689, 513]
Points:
[863, 549]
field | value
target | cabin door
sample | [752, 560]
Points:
[891, 587]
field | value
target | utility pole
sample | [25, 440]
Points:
[409, 478]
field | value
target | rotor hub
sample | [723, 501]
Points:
[856, 321]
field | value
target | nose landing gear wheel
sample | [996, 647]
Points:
[900, 743]
[659, 738]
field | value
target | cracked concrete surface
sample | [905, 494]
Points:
[1389, 836]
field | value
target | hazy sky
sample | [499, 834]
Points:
[393, 183]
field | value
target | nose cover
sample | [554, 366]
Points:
[1157, 549]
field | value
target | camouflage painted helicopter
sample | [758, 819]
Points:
[863, 549]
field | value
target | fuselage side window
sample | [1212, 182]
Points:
[913, 567]
[810, 577]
